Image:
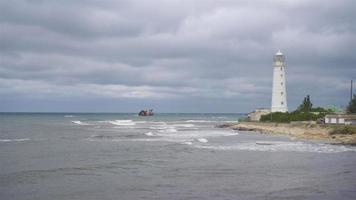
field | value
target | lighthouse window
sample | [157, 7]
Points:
[281, 83]
[281, 93]
[282, 75]
[282, 102]
[281, 69]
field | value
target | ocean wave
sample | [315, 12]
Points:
[236, 121]
[110, 137]
[149, 134]
[198, 121]
[141, 122]
[202, 140]
[69, 116]
[184, 125]
[169, 130]
[193, 134]
[152, 139]
[15, 140]
[104, 139]
[156, 128]
[80, 123]
[187, 142]
[279, 146]
[158, 122]
[122, 122]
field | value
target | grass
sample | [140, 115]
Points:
[343, 130]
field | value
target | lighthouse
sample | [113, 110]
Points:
[279, 93]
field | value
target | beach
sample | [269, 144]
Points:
[311, 131]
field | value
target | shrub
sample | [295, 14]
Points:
[293, 116]
[344, 130]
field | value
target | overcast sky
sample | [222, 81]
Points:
[172, 55]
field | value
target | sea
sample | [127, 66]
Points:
[92, 156]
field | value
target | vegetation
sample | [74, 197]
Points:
[351, 109]
[305, 112]
[306, 106]
[293, 116]
[344, 130]
[321, 110]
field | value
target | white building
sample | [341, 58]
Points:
[256, 115]
[340, 119]
[279, 93]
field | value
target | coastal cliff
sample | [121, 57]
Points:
[333, 134]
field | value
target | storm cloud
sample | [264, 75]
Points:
[172, 55]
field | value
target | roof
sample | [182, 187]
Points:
[341, 116]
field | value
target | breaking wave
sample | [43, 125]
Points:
[279, 146]
[123, 139]
[15, 140]
[80, 123]
[123, 122]
[173, 133]
[149, 134]
[184, 125]
[203, 140]
[69, 116]
[198, 121]
[169, 130]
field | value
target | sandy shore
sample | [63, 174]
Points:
[301, 131]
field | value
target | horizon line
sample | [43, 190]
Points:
[60, 112]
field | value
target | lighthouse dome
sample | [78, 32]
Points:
[279, 53]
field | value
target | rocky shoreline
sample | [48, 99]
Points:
[309, 131]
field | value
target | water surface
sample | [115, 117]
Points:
[167, 156]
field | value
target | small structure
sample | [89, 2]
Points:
[256, 115]
[340, 119]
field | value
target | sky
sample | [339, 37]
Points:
[172, 55]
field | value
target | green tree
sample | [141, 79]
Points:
[306, 106]
[352, 105]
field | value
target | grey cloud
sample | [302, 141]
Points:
[175, 51]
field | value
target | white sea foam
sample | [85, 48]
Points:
[184, 125]
[279, 146]
[122, 122]
[69, 116]
[152, 139]
[230, 121]
[158, 122]
[187, 142]
[14, 140]
[198, 121]
[169, 130]
[202, 140]
[156, 128]
[219, 117]
[193, 134]
[80, 123]
[149, 134]
[141, 122]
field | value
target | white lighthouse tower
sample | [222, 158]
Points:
[279, 93]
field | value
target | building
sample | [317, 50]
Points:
[256, 115]
[279, 93]
[340, 119]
